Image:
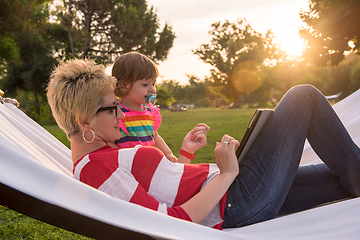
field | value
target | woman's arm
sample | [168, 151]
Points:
[161, 144]
[199, 206]
[202, 203]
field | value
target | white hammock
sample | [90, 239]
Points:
[36, 179]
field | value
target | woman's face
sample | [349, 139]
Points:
[105, 123]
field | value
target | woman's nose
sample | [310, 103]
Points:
[120, 113]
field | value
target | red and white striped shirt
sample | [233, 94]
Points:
[142, 175]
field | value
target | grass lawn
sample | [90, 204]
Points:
[174, 127]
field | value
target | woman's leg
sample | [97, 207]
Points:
[267, 173]
[313, 185]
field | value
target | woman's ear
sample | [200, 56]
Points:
[82, 124]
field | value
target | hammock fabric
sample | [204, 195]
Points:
[36, 180]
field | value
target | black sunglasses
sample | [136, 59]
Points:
[108, 108]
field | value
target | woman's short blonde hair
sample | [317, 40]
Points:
[131, 67]
[75, 92]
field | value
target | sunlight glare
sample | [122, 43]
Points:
[351, 44]
[246, 77]
[286, 30]
[292, 44]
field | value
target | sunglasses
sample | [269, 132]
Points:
[114, 108]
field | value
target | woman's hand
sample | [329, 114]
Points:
[200, 205]
[225, 156]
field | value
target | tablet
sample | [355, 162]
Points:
[256, 124]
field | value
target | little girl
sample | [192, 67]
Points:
[136, 75]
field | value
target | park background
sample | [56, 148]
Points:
[224, 59]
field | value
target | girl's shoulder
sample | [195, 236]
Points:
[155, 112]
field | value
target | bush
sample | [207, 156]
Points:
[28, 105]
[205, 102]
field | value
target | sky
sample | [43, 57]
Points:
[191, 21]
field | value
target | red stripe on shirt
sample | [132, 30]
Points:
[191, 182]
[179, 212]
[140, 197]
[143, 171]
[102, 167]
[137, 118]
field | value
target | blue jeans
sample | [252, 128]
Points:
[270, 181]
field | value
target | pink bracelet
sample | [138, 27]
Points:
[187, 154]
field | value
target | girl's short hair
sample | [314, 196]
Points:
[75, 92]
[130, 67]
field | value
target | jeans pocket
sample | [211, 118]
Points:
[267, 213]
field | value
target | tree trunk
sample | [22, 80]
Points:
[69, 30]
[86, 47]
[37, 103]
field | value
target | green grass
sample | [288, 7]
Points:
[174, 127]
[14, 225]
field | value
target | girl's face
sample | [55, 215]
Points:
[140, 90]
[105, 123]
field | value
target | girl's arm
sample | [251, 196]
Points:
[160, 144]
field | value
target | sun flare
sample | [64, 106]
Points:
[292, 44]
[286, 26]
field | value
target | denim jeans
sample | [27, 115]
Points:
[270, 181]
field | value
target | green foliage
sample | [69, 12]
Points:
[57, 132]
[36, 47]
[193, 93]
[329, 80]
[33, 70]
[103, 29]
[28, 106]
[355, 76]
[331, 25]
[163, 97]
[236, 52]
[17, 17]
[8, 50]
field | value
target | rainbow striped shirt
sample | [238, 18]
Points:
[138, 127]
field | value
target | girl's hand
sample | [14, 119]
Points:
[225, 155]
[196, 138]
[171, 158]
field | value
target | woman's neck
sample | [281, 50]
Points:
[80, 148]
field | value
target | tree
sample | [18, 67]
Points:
[37, 49]
[33, 70]
[192, 93]
[236, 52]
[331, 25]
[344, 77]
[17, 17]
[355, 77]
[163, 97]
[103, 29]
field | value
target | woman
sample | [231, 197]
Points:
[267, 183]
